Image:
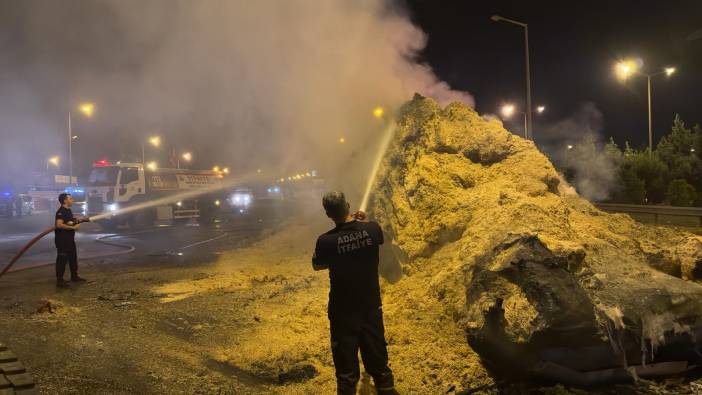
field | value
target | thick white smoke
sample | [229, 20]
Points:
[262, 84]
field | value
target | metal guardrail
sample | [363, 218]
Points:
[656, 211]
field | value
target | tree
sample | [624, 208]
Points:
[680, 193]
[680, 151]
[649, 169]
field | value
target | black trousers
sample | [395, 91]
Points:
[66, 253]
[365, 331]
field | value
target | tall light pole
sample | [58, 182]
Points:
[498, 18]
[87, 109]
[626, 69]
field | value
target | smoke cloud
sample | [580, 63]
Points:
[576, 145]
[265, 84]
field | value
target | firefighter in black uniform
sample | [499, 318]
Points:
[350, 252]
[65, 228]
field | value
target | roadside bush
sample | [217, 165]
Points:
[681, 193]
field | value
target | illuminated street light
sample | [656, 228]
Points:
[507, 110]
[87, 109]
[342, 140]
[570, 146]
[188, 156]
[626, 69]
[378, 112]
[152, 166]
[225, 170]
[54, 160]
[155, 141]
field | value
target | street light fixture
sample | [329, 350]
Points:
[188, 156]
[54, 160]
[626, 69]
[152, 166]
[509, 109]
[154, 141]
[87, 109]
[498, 18]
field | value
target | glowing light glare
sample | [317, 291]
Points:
[54, 160]
[625, 69]
[570, 146]
[342, 140]
[225, 170]
[217, 202]
[152, 166]
[87, 109]
[669, 71]
[216, 168]
[540, 109]
[258, 171]
[179, 204]
[507, 110]
[155, 141]
[188, 156]
[378, 112]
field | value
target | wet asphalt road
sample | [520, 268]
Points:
[152, 245]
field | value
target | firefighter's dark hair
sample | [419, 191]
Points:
[63, 196]
[335, 205]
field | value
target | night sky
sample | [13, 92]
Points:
[573, 47]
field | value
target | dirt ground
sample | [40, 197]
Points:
[251, 321]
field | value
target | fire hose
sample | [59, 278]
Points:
[30, 244]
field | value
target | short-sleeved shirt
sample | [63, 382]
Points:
[64, 236]
[350, 250]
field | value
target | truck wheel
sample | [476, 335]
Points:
[14, 378]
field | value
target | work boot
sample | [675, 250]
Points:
[78, 279]
[62, 284]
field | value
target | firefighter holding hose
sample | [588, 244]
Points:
[64, 237]
[350, 252]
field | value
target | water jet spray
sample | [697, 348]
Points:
[141, 206]
[388, 132]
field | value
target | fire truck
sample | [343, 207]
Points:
[112, 187]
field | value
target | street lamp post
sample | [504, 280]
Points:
[155, 141]
[624, 71]
[498, 18]
[509, 109]
[87, 109]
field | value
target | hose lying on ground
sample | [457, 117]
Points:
[25, 248]
[32, 242]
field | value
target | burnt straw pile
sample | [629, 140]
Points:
[543, 283]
